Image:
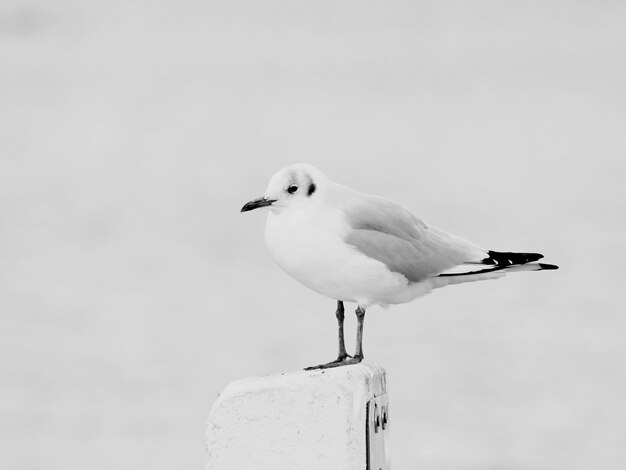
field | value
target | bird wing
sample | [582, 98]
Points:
[385, 231]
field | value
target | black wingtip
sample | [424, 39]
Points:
[548, 266]
[508, 258]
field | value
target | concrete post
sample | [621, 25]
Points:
[333, 419]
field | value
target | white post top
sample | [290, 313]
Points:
[300, 420]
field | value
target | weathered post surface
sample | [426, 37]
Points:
[333, 419]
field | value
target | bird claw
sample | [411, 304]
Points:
[339, 362]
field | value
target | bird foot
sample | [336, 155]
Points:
[339, 362]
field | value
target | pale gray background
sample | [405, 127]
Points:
[132, 290]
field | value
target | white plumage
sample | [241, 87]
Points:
[356, 247]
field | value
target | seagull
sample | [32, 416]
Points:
[365, 249]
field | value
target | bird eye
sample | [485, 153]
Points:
[292, 189]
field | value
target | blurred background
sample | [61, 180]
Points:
[132, 290]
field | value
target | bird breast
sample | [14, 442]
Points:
[312, 250]
[303, 245]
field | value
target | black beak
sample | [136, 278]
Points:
[256, 203]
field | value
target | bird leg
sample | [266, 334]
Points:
[343, 359]
[342, 344]
[360, 316]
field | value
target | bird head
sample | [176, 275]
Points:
[293, 186]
